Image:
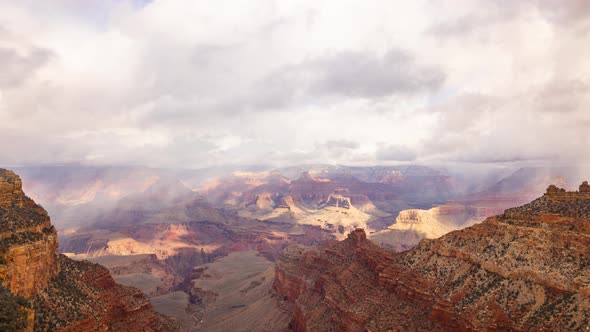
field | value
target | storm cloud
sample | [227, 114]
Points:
[178, 83]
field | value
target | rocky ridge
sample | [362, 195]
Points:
[54, 292]
[526, 269]
[28, 241]
[84, 297]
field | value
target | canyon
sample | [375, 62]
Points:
[179, 237]
[525, 269]
[53, 292]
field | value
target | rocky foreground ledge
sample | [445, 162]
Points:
[527, 269]
[41, 290]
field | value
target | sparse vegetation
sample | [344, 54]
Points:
[68, 299]
[14, 218]
[12, 315]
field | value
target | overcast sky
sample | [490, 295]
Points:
[204, 83]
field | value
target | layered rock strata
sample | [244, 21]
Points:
[28, 242]
[84, 297]
[54, 292]
[527, 269]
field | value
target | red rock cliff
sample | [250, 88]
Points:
[28, 242]
[84, 297]
[527, 269]
[66, 295]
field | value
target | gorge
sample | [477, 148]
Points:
[54, 292]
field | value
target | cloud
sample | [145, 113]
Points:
[362, 75]
[344, 75]
[357, 75]
[342, 144]
[17, 66]
[195, 84]
[395, 153]
[336, 150]
[492, 129]
[573, 11]
[487, 16]
[562, 96]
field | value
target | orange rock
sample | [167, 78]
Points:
[67, 295]
[28, 242]
[527, 269]
[10, 189]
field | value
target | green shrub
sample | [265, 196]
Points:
[12, 318]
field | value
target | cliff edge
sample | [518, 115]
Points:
[28, 241]
[527, 269]
[47, 291]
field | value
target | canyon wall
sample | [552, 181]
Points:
[527, 269]
[84, 297]
[62, 294]
[10, 189]
[28, 242]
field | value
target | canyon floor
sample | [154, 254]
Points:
[238, 295]
[234, 293]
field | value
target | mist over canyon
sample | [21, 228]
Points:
[203, 247]
[265, 165]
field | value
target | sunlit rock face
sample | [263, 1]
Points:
[10, 189]
[28, 242]
[518, 188]
[526, 269]
[65, 294]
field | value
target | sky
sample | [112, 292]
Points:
[196, 84]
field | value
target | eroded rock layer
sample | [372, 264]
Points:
[59, 293]
[28, 242]
[84, 297]
[527, 269]
[11, 189]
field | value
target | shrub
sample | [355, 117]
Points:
[12, 318]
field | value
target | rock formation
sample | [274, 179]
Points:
[411, 226]
[10, 189]
[84, 297]
[28, 242]
[526, 269]
[338, 201]
[60, 293]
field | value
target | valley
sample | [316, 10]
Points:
[48, 291]
[206, 255]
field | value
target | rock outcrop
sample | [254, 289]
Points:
[560, 194]
[84, 297]
[58, 293]
[28, 242]
[526, 269]
[413, 225]
[11, 189]
[337, 201]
